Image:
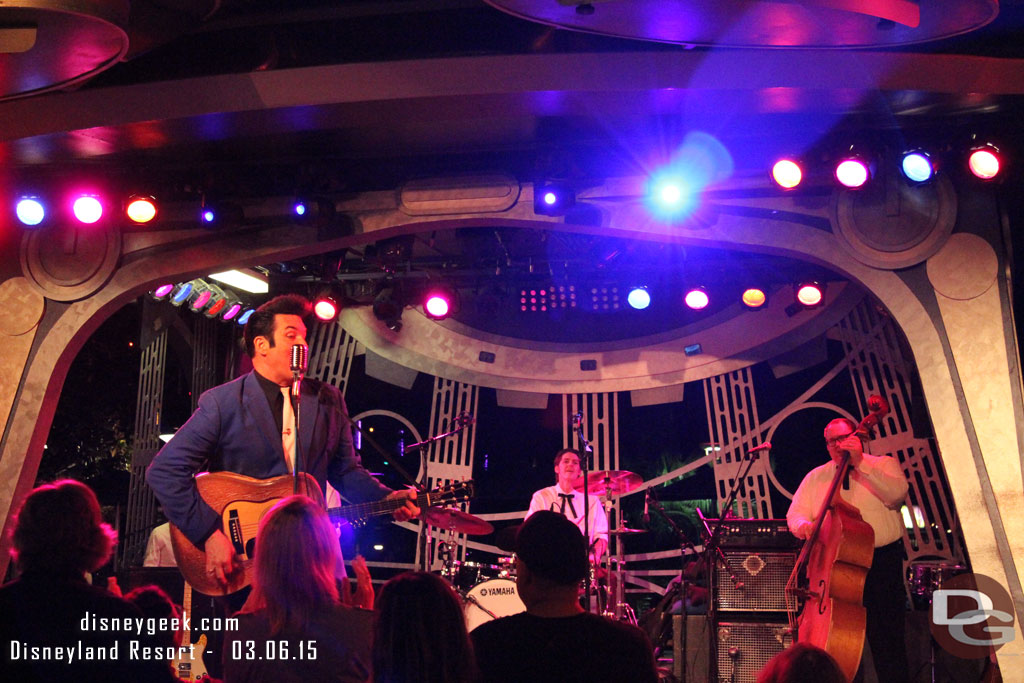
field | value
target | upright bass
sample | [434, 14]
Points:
[836, 559]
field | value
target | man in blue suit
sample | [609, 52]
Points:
[238, 427]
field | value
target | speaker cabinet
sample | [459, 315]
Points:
[744, 647]
[690, 661]
[760, 581]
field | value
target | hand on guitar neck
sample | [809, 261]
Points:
[407, 511]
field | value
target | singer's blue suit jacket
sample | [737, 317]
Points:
[234, 430]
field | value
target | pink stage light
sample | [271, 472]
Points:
[697, 299]
[852, 173]
[87, 209]
[326, 309]
[809, 294]
[437, 306]
[984, 163]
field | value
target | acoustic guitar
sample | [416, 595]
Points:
[242, 501]
[189, 668]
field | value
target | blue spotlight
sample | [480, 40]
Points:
[183, 291]
[30, 211]
[918, 167]
[244, 318]
[300, 209]
[208, 216]
[639, 298]
[550, 198]
[553, 199]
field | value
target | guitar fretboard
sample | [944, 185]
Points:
[358, 511]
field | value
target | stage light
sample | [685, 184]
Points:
[754, 297]
[30, 211]
[163, 291]
[87, 209]
[810, 294]
[300, 208]
[231, 312]
[326, 308]
[552, 199]
[917, 167]
[440, 301]
[639, 298]
[787, 174]
[697, 299]
[852, 172]
[219, 214]
[244, 318]
[141, 209]
[669, 193]
[217, 303]
[181, 293]
[984, 162]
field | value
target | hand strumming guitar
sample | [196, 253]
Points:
[220, 558]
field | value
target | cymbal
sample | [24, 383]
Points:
[618, 481]
[457, 520]
[626, 531]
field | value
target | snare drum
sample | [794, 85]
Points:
[490, 600]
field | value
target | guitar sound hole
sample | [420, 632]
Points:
[250, 548]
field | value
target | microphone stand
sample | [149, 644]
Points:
[586, 451]
[463, 420]
[299, 363]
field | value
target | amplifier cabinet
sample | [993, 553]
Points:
[744, 647]
[760, 581]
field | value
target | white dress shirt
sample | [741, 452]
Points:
[877, 488]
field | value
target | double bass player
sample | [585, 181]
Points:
[877, 487]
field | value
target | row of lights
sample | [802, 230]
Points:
[918, 166]
[806, 295]
[439, 301]
[214, 300]
[87, 209]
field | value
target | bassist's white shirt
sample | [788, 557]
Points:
[877, 489]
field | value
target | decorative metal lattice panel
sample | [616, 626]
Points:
[331, 350]
[145, 443]
[735, 428]
[877, 366]
[450, 459]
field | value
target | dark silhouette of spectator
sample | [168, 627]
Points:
[294, 626]
[420, 633]
[555, 640]
[802, 663]
[54, 625]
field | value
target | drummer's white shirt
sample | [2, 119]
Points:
[877, 488]
[548, 499]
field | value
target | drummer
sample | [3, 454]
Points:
[564, 499]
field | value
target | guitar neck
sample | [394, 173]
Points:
[361, 511]
[186, 608]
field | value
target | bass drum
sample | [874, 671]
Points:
[490, 600]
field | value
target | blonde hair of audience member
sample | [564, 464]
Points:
[802, 663]
[60, 531]
[420, 633]
[297, 564]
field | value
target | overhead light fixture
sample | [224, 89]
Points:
[140, 209]
[216, 215]
[853, 171]
[553, 199]
[440, 301]
[697, 298]
[245, 279]
[917, 166]
[181, 293]
[388, 307]
[639, 298]
[326, 307]
[30, 211]
[87, 209]
[810, 294]
[754, 297]
[162, 291]
[984, 162]
[244, 317]
[787, 174]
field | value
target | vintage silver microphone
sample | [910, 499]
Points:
[299, 362]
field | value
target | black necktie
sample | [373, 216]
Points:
[567, 498]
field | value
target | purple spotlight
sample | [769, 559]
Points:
[550, 198]
[852, 173]
[87, 209]
[208, 215]
[163, 290]
[231, 312]
[437, 306]
[201, 300]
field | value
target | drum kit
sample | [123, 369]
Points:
[489, 590]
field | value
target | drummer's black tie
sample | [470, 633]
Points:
[567, 498]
